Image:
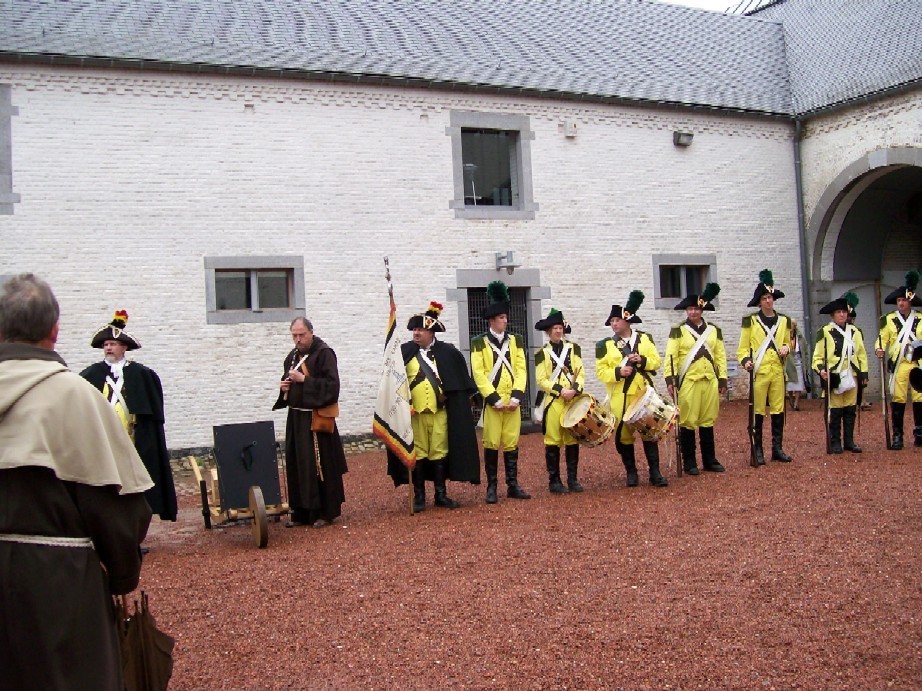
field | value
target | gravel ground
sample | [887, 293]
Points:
[801, 575]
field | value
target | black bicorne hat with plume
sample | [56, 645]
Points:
[553, 318]
[115, 331]
[848, 302]
[766, 287]
[428, 319]
[907, 290]
[704, 301]
[498, 296]
[629, 311]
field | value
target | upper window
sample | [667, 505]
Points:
[677, 275]
[491, 162]
[7, 111]
[254, 289]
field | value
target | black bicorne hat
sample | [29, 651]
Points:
[704, 301]
[628, 312]
[908, 291]
[553, 318]
[428, 319]
[115, 331]
[766, 286]
[847, 302]
[498, 295]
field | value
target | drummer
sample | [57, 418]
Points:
[626, 363]
[696, 369]
[559, 372]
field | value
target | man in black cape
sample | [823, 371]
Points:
[135, 392]
[443, 427]
[310, 390]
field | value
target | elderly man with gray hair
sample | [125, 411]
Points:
[72, 507]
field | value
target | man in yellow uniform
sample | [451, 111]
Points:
[897, 332]
[443, 429]
[696, 368]
[626, 363]
[765, 341]
[560, 378]
[498, 364]
[841, 361]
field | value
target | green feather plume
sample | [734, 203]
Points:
[634, 300]
[851, 299]
[710, 292]
[765, 276]
[498, 292]
[912, 280]
[553, 311]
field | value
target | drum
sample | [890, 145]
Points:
[587, 420]
[650, 416]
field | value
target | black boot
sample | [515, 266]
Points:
[835, 430]
[848, 429]
[552, 459]
[687, 443]
[896, 416]
[490, 466]
[917, 421]
[511, 461]
[651, 451]
[419, 487]
[757, 437]
[572, 454]
[630, 462]
[708, 451]
[441, 494]
[778, 453]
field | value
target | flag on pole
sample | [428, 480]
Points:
[392, 409]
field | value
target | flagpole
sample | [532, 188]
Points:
[390, 294]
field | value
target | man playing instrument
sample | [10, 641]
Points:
[314, 458]
[560, 378]
[897, 332]
[696, 369]
[498, 364]
[841, 361]
[136, 394]
[765, 341]
[626, 363]
[443, 428]
[72, 508]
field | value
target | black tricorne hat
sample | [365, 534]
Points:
[704, 301]
[628, 312]
[498, 295]
[553, 318]
[847, 302]
[428, 319]
[115, 331]
[907, 290]
[766, 286]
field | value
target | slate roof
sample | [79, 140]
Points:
[825, 52]
[839, 51]
[633, 50]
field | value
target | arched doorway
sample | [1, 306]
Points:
[867, 232]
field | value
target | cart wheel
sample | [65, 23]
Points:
[260, 520]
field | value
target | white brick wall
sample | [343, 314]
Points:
[128, 180]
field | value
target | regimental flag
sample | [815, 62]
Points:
[392, 409]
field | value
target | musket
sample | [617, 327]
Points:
[885, 403]
[828, 412]
[678, 444]
[753, 460]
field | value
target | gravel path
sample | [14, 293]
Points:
[801, 575]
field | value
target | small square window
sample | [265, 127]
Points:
[491, 166]
[254, 289]
[676, 276]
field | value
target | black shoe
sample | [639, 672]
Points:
[852, 446]
[144, 550]
[714, 467]
[557, 487]
[320, 523]
[296, 524]
[835, 447]
[897, 442]
[632, 479]
[657, 480]
[491, 493]
[691, 470]
[575, 486]
[516, 492]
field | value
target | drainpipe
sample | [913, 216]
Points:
[804, 277]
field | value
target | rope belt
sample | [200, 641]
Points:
[48, 541]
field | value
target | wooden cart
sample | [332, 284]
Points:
[243, 486]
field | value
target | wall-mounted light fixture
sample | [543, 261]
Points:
[507, 261]
[682, 138]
